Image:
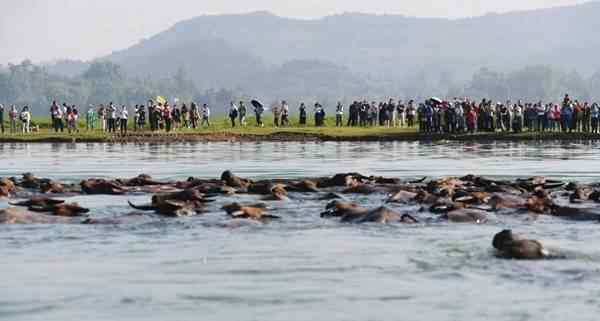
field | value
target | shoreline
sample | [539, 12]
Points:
[297, 136]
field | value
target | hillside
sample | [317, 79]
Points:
[228, 49]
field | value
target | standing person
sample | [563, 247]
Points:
[159, 115]
[586, 117]
[194, 115]
[71, 119]
[64, 116]
[339, 114]
[233, 113]
[13, 115]
[176, 117]
[302, 113]
[185, 116]
[53, 115]
[471, 119]
[76, 113]
[428, 114]
[517, 121]
[566, 113]
[258, 111]
[2, 118]
[167, 115]
[363, 114]
[400, 117]
[594, 115]
[136, 116]
[141, 118]
[102, 117]
[541, 116]
[411, 112]
[90, 118]
[243, 111]
[112, 120]
[391, 113]
[317, 114]
[351, 112]
[276, 113]
[68, 117]
[123, 117]
[59, 119]
[285, 114]
[205, 115]
[151, 115]
[25, 118]
[176, 114]
[556, 116]
[577, 117]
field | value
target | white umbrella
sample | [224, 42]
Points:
[437, 100]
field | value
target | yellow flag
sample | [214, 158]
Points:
[160, 100]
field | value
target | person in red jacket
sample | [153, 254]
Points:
[471, 119]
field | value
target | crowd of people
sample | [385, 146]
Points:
[430, 116]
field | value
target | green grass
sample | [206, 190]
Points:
[221, 127]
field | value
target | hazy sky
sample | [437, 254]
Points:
[44, 30]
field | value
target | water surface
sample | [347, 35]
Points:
[302, 267]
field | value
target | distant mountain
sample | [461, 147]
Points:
[356, 53]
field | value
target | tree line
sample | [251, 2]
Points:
[27, 84]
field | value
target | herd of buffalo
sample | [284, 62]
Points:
[468, 199]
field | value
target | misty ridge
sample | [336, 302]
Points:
[533, 55]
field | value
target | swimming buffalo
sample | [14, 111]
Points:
[252, 212]
[102, 186]
[184, 203]
[511, 246]
[53, 207]
[354, 213]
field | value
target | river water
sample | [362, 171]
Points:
[302, 267]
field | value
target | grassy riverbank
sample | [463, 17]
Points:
[220, 130]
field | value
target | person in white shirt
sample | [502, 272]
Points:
[25, 120]
[123, 117]
[339, 113]
[285, 114]
[112, 118]
[205, 115]
[517, 119]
